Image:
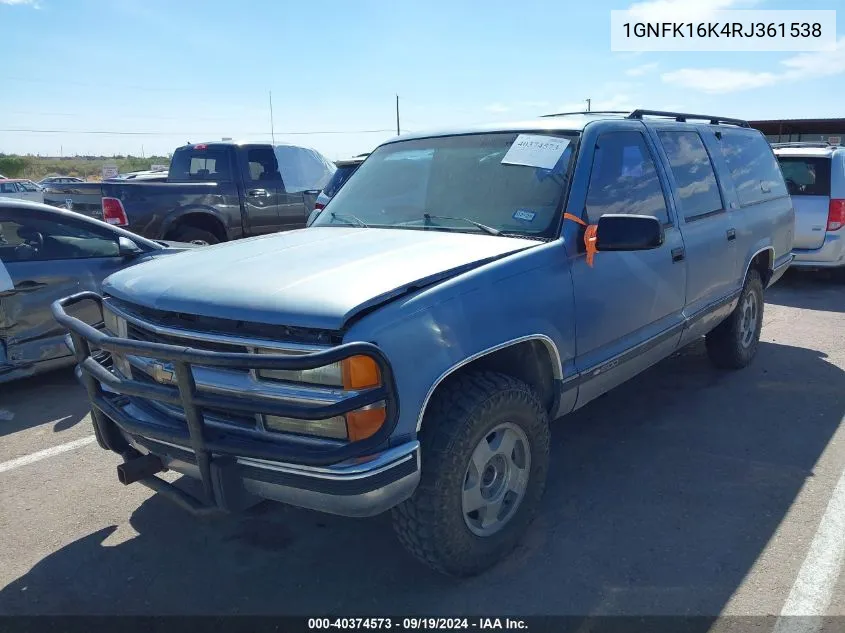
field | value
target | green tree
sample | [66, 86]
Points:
[13, 166]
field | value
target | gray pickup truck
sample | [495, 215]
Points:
[215, 192]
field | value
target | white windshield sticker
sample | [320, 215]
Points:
[534, 150]
[5, 280]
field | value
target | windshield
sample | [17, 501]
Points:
[456, 182]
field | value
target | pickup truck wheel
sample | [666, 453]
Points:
[733, 343]
[194, 235]
[485, 456]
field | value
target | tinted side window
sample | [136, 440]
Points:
[753, 166]
[696, 181]
[8, 187]
[262, 164]
[805, 175]
[38, 239]
[302, 169]
[624, 179]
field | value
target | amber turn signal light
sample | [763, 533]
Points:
[364, 423]
[360, 372]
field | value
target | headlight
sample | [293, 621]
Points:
[116, 326]
[356, 372]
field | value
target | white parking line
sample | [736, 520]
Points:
[47, 452]
[813, 589]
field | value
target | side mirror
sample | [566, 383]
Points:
[619, 232]
[127, 248]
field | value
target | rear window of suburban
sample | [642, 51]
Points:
[754, 168]
[806, 175]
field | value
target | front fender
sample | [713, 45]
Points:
[428, 335]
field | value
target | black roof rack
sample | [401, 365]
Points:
[822, 144]
[683, 117]
[625, 112]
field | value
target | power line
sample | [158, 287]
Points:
[183, 133]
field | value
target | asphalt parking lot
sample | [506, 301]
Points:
[686, 491]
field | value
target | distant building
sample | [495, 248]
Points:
[789, 130]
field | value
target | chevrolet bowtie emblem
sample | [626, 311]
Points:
[161, 373]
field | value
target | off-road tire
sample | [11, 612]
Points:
[724, 342]
[194, 234]
[462, 412]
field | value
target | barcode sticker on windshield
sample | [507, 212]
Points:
[532, 150]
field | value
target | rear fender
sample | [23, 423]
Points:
[173, 218]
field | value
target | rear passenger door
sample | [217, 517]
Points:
[262, 186]
[628, 305]
[707, 224]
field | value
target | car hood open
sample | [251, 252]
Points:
[318, 277]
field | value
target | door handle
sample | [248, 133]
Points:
[257, 193]
[731, 235]
[678, 254]
[28, 286]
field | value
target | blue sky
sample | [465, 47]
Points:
[173, 71]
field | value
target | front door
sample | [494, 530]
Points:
[47, 258]
[628, 305]
[262, 185]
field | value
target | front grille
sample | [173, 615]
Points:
[140, 334]
[234, 418]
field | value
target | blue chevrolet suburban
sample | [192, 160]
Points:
[408, 351]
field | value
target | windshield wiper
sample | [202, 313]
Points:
[487, 229]
[349, 219]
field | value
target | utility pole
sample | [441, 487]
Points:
[142, 151]
[589, 101]
[397, 116]
[272, 129]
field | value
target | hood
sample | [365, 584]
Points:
[318, 277]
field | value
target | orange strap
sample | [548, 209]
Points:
[589, 237]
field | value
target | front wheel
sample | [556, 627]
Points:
[733, 343]
[485, 456]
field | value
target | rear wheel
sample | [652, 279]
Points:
[485, 448]
[194, 235]
[733, 343]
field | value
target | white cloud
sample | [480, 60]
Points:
[718, 80]
[639, 71]
[668, 10]
[797, 68]
[34, 3]
[497, 108]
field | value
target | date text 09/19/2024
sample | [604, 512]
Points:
[417, 624]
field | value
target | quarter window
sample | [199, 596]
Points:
[754, 169]
[624, 179]
[698, 191]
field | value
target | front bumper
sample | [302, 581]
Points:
[235, 467]
[831, 254]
